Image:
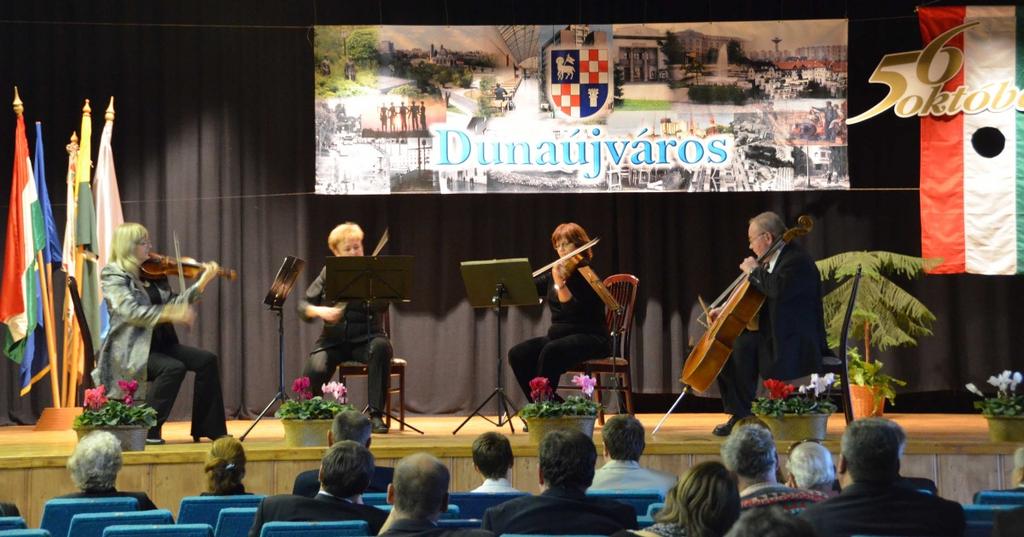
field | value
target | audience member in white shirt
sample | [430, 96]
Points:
[492, 457]
[623, 437]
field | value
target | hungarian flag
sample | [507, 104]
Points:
[25, 236]
[972, 165]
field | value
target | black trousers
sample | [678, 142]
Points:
[739, 376]
[375, 353]
[546, 357]
[166, 369]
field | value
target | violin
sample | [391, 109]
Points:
[575, 260]
[160, 266]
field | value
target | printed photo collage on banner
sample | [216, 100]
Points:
[707, 107]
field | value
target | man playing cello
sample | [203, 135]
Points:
[787, 339]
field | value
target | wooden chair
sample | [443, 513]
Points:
[355, 369]
[623, 287]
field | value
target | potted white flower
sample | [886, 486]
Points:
[1005, 410]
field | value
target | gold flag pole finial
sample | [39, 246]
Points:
[73, 146]
[109, 115]
[19, 107]
[87, 110]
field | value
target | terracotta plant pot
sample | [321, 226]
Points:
[794, 427]
[862, 399]
[1006, 428]
[132, 437]
[306, 433]
[540, 426]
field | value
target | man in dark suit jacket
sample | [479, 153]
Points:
[872, 502]
[789, 339]
[567, 460]
[344, 474]
[418, 495]
[352, 426]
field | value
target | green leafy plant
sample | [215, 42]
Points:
[869, 374]
[544, 405]
[100, 411]
[788, 399]
[1006, 402]
[304, 406]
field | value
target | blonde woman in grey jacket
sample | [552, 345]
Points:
[141, 343]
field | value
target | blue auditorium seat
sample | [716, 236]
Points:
[93, 524]
[459, 523]
[24, 533]
[640, 499]
[205, 509]
[375, 498]
[12, 523]
[57, 513]
[473, 505]
[981, 518]
[654, 508]
[347, 528]
[452, 512]
[234, 522]
[159, 530]
[999, 497]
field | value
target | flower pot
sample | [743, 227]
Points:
[794, 427]
[131, 437]
[862, 399]
[306, 433]
[541, 426]
[1006, 428]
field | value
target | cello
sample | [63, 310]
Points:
[739, 303]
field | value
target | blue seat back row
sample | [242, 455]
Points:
[234, 522]
[999, 497]
[159, 530]
[205, 509]
[348, 528]
[57, 513]
[12, 523]
[93, 524]
[640, 499]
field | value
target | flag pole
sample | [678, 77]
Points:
[71, 333]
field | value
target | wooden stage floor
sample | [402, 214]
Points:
[952, 449]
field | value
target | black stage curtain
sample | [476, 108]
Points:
[214, 140]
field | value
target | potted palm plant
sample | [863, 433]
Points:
[884, 316]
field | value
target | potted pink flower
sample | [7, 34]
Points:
[306, 419]
[124, 418]
[545, 413]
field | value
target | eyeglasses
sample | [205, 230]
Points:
[143, 242]
[750, 240]
[805, 440]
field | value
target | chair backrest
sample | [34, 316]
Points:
[375, 498]
[83, 324]
[346, 528]
[654, 508]
[93, 524]
[999, 497]
[985, 513]
[12, 523]
[844, 335]
[473, 504]
[620, 325]
[24, 533]
[234, 521]
[459, 523]
[159, 530]
[206, 509]
[640, 499]
[57, 512]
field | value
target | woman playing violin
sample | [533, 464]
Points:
[577, 331]
[141, 343]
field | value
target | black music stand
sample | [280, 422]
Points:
[494, 284]
[386, 278]
[276, 296]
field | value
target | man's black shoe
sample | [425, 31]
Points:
[723, 429]
[379, 427]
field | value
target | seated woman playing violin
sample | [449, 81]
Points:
[577, 331]
[141, 343]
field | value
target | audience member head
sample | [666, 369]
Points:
[225, 466]
[346, 469]
[705, 502]
[750, 453]
[623, 437]
[420, 488]
[567, 460]
[350, 425]
[492, 455]
[1018, 467]
[95, 462]
[811, 468]
[870, 451]
[770, 522]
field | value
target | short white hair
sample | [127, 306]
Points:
[95, 462]
[811, 465]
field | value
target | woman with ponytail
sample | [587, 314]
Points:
[225, 468]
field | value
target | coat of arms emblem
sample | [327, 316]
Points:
[579, 81]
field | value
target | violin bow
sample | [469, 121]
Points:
[381, 243]
[569, 255]
[177, 258]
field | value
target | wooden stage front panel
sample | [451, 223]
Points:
[951, 449]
